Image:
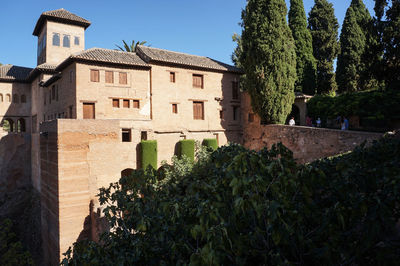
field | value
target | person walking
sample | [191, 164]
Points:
[319, 122]
[292, 122]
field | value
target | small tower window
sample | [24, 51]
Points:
[56, 39]
[76, 40]
[66, 42]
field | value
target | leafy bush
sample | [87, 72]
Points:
[212, 143]
[381, 104]
[148, 153]
[11, 250]
[186, 147]
[241, 207]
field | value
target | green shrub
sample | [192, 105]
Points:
[186, 147]
[148, 153]
[242, 207]
[212, 143]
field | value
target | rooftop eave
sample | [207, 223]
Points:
[43, 19]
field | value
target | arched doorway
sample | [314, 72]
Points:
[8, 125]
[21, 125]
[127, 172]
[294, 113]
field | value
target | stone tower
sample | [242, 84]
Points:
[60, 34]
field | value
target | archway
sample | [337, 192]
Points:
[294, 113]
[127, 172]
[21, 125]
[8, 125]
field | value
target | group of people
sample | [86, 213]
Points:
[341, 120]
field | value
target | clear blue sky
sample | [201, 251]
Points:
[201, 27]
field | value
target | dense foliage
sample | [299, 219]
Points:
[305, 61]
[186, 148]
[11, 250]
[241, 207]
[372, 105]
[351, 64]
[148, 153]
[211, 143]
[324, 30]
[268, 59]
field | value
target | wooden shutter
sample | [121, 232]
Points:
[123, 78]
[88, 111]
[197, 81]
[109, 77]
[136, 104]
[94, 75]
[198, 110]
[172, 77]
[174, 108]
[125, 103]
[115, 103]
[235, 90]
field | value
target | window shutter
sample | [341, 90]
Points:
[109, 77]
[115, 103]
[197, 81]
[172, 77]
[88, 111]
[235, 90]
[94, 75]
[198, 110]
[123, 78]
[126, 103]
[136, 104]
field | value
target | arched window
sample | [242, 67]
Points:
[66, 42]
[8, 125]
[21, 125]
[1, 97]
[15, 98]
[56, 39]
[23, 98]
[8, 98]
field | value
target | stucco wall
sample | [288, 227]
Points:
[307, 143]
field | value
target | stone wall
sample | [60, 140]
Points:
[307, 143]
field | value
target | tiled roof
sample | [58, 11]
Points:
[151, 54]
[46, 66]
[14, 73]
[60, 15]
[101, 55]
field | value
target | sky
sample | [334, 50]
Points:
[200, 27]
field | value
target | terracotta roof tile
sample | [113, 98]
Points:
[151, 54]
[107, 56]
[60, 15]
[14, 73]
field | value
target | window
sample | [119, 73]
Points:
[94, 75]
[76, 40]
[21, 125]
[88, 111]
[197, 81]
[143, 135]
[126, 135]
[15, 98]
[125, 103]
[172, 77]
[251, 118]
[1, 97]
[66, 42]
[8, 98]
[109, 77]
[174, 108]
[23, 98]
[235, 112]
[123, 78]
[198, 110]
[136, 104]
[115, 103]
[56, 39]
[221, 114]
[235, 90]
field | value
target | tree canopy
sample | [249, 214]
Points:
[130, 48]
[306, 64]
[324, 30]
[268, 59]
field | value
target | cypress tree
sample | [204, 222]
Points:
[306, 64]
[351, 64]
[391, 44]
[268, 59]
[324, 31]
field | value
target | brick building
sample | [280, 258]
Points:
[80, 115]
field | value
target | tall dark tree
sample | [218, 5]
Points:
[324, 31]
[306, 64]
[391, 44]
[268, 59]
[351, 64]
